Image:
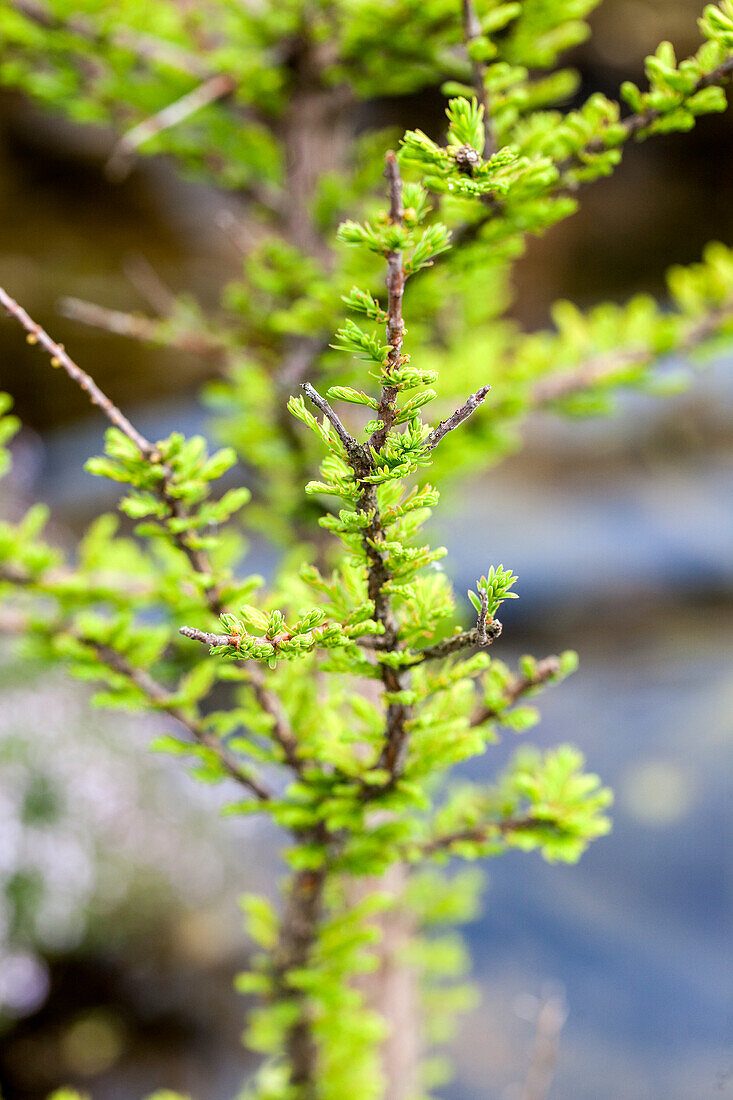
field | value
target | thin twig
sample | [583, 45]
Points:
[467, 639]
[59, 358]
[149, 285]
[357, 454]
[137, 328]
[120, 159]
[466, 410]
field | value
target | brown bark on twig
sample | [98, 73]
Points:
[395, 324]
[59, 358]
[456, 418]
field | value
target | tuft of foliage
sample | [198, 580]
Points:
[352, 685]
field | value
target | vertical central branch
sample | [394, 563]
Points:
[394, 680]
[471, 32]
[301, 922]
[395, 324]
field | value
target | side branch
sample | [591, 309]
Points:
[357, 454]
[482, 833]
[59, 358]
[119, 162]
[147, 329]
[466, 410]
[635, 124]
[158, 695]
[467, 639]
[600, 367]
[545, 670]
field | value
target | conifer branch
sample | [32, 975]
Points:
[59, 358]
[395, 291]
[455, 419]
[481, 834]
[357, 455]
[197, 557]
[638, 122]
[467, 639]
[520, 686]
[472, 31]
[158, 695]
[598, 368]
[215, 87]
[137, 327]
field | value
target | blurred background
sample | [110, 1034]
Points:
[119, 928]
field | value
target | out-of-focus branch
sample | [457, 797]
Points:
[515, 689]
[600, 367]
[16, 622]
[160, 697]
[637, 123]
[132, 325]
[472, 31]
[481, 833]
[59, 358]
[120, 159]
[550, 1021]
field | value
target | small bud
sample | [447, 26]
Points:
[467, 159]
[55, 361]
[31, 338]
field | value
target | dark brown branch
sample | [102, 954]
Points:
[456, 418]
[472, 31]
[357, 455]
[395, 324]
[545, 670]
[59, 358]
[196, 557]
